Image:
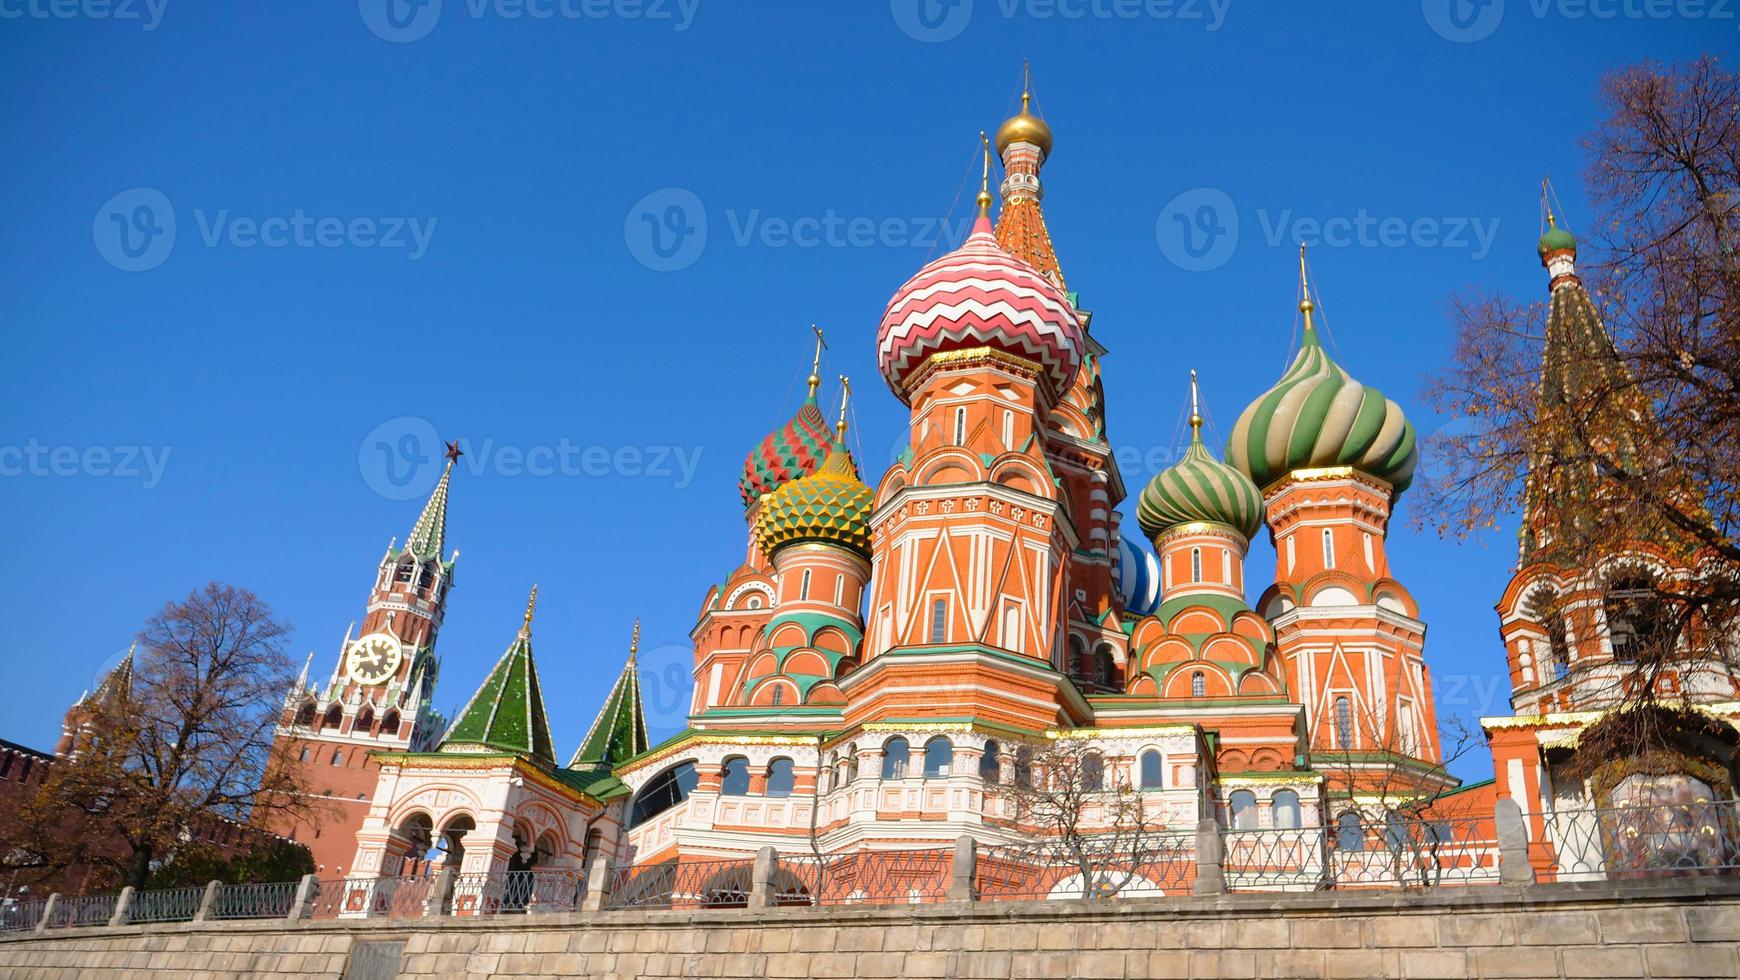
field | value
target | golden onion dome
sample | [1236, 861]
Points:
[1024, 127]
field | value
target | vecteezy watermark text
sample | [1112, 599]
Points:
[403, 457]
[667, 230]
[1200, 229]
[1467, 21]
[935, 21]
[146, 13]
[135, 230]
[145, 463]
[403, 21]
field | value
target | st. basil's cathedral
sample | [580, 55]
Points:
[883, 658]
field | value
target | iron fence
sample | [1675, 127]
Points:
[267, 900]
[1661, 840]
[1154, 865]
[1415, 853]
[904, 877]
[326, 900]
[21, 915]
[165, 904]
[82, 910]
[497, 892]
[681, 884]
[411, 896]
[1275, 859]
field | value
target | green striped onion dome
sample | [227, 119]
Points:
[793, 450]
[830, 505]
[1196, 489]
[1557, 240]
[1317, 416]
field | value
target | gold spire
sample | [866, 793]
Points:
[816, 365]
[531, 605]
[985, 179]
[1195, 410]
[845, 396]
[1305, 304]
[634, 641]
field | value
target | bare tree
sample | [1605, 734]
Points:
[189, 743]
[1633, 443]
[1083, 811]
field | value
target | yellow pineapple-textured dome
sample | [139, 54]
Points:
[831, 505]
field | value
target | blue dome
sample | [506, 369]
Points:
[1137, 577]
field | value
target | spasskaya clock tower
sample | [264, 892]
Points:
[379, 695]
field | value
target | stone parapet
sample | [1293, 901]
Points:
[1686, 927]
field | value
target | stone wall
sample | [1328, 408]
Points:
[1673, 928]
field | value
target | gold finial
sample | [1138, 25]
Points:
[1026, 83]
[531, 605]
[985, 178]
[1305, 304]
[845, 396]
[1195, 410]
[634, 641]
[816, 365]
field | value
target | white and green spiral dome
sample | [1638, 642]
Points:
[1199, 489]
[1317, 416]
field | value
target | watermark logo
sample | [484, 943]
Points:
[667, 686]
[400, 21]
[146, 13]
[134, 231]
[1463, 21]
[666, 230]
[932, 21]
[403, 457]
[143, 463]
[1199, 229]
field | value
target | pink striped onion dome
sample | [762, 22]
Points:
[979, 296]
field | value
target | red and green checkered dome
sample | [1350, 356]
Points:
[793, 450]
[831, 505]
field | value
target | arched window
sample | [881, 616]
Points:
[390, 724]
[305, 717]
[961, 426]
[1543, 608]
[736, 777]
[334, 717]
[1024, 766]
[826, 776]
[1105, 667]
[895, 755]
[1093, 772]
[1196, 564]
[1243, 806]
[1343, 722]
[779, 778]
[851, 763]
[364, 721]
[1328, 548]
[338, 757]
[804, 585]
[1008, 429]
[662, 792]
[1151, 769]
[1638, 624]
[1077, 657]
[1284, 809]
[300, 757]
[1198, 684]
[1349, 832]
[939, 756]
[939, 621]
[991, 763]
[1395, 832]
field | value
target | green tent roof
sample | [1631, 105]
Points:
[619, 732]
[507, 712]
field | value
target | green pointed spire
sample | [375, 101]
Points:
[619, 733]
[117, 684]
[429, 535]
[507, 712]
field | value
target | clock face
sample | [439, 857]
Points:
[373, 658]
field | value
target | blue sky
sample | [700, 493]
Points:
[483, 219]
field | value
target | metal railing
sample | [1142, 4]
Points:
[1275, 859]
[498, 892]
[1158, 864]
[267, 900]
[165, 904]
[1415, 853]
[82, 910]
[21, 916]
[326, 901]
[1656, 841]
[681, 884]
[907, 877]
